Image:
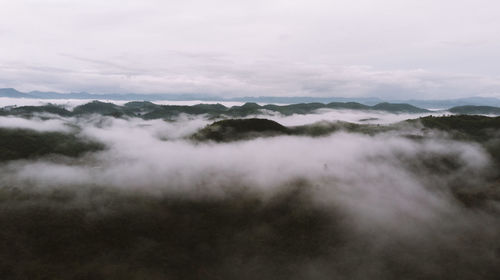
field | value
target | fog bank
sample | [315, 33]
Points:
[346, 205]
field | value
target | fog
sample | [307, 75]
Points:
[37, 124]
[395, 196]
[373, 173]
[380, 172]
[352, 116]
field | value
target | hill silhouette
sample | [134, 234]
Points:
[148, 110]
[475, 110]
[24, 144]
[238, 129]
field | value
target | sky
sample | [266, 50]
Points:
[399, 49]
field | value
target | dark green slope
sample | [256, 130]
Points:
[171, 111]
[24, 144]
[148, 110]
[102, 108]
[348, 105]
[28, 111]
[141, 105]
[479, 128]
[244, 129]
[398, 108]
[475, 110]
[239, 129]
[131, 235]
[461, 127]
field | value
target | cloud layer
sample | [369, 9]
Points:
[389, 49]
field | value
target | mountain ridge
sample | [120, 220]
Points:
[370, 101]
[148, 110]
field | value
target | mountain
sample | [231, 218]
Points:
[243, 129]
[51, 95]
[10, 92]
[97, 107]
[447, 103]
[398, 108]
[239, 129]
[25, 143]
[148, 110]
[369, 101]
[475, 110]
[305, 99]
[28, 111]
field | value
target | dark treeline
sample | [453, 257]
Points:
[29, 144]
[149, 110]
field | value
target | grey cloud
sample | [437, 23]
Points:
[231, 79]
[258, 48]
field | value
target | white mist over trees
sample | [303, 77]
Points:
[407, 201]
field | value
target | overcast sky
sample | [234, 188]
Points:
[350, 48]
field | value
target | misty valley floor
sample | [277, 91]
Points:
[99, 196]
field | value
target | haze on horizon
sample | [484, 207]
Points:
[396, 49]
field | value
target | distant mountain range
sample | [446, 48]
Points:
[10, 92]
[370, 101]
[149, 110]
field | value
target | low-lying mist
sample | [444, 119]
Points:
[352, 116]
[156, 204]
